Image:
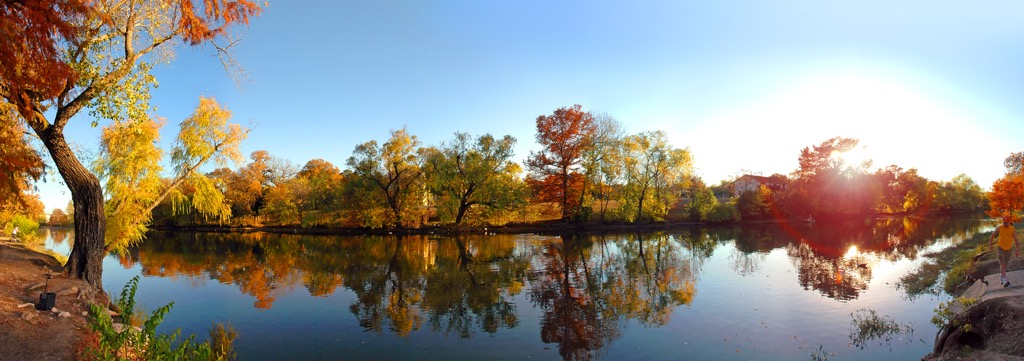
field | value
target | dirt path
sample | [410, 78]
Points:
[30, 334]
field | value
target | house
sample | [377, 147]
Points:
[749, 182]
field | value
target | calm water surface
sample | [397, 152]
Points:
[763, 292]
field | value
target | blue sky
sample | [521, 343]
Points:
[933, 85]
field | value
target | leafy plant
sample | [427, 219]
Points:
[944, 313]
[820, 354]
[117, 341]
[868, 325]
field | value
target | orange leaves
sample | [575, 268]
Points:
[1006, 199]
[19, 162]
[216, 16]
[29, 32]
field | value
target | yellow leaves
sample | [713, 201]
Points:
[129, 165]
[207, 134]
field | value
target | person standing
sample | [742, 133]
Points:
[1007, 238]
[14, 233]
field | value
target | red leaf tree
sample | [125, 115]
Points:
[555, 171]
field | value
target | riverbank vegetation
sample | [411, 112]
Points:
[595, 175]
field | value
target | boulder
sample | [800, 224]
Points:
[996, 327]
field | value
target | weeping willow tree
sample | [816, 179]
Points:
[130, 168]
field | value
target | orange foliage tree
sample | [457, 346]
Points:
[62, 56]
[1006, 200]
[555, 171]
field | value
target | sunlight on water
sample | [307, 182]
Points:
[763, 291]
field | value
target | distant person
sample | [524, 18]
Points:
[1007, 238]
[14, 233]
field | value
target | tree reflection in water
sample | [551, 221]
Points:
[588, 289]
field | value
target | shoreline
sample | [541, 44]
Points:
[554, 227]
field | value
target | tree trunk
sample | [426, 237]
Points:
[565, 193]
[86, 259]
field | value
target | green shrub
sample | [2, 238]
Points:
[723, 213]
[143, 343]
[26, 227]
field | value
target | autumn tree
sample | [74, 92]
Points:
[58, 218]
[19, 161]
[96, 58]
[1006, 199]
[308, 198]
[825, 184]
[129, 166]
[602, 164]
[1014, 163]
[467, 174]
[654, 173]
[388, 176]
[325, 185]
[556, 171]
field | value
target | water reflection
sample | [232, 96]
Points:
[588, 290]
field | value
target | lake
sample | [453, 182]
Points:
[773, 291]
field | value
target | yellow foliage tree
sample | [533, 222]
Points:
[129, 165]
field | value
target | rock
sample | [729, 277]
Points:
[118, 327]
[35, 287]
[54, 310]
[85, 313]
[28, 315]
[84, 294]
[68, 291]
[997, 326]
[27, 304]
[64, 314]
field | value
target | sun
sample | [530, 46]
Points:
[857, 157]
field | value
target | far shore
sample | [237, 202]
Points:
[553, 227]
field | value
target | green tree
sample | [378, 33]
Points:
[702, 204]
[602, 164]
[467, 174]
[654, 174]
[960, 194]
[390, 177]
[755, 204]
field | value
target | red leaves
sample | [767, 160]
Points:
[565, 134]
[216, 16]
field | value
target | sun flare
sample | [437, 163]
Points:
[856, 157]
[851, 253]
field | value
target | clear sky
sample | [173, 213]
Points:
[932, 85]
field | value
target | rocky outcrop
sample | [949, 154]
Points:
[995, 326]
